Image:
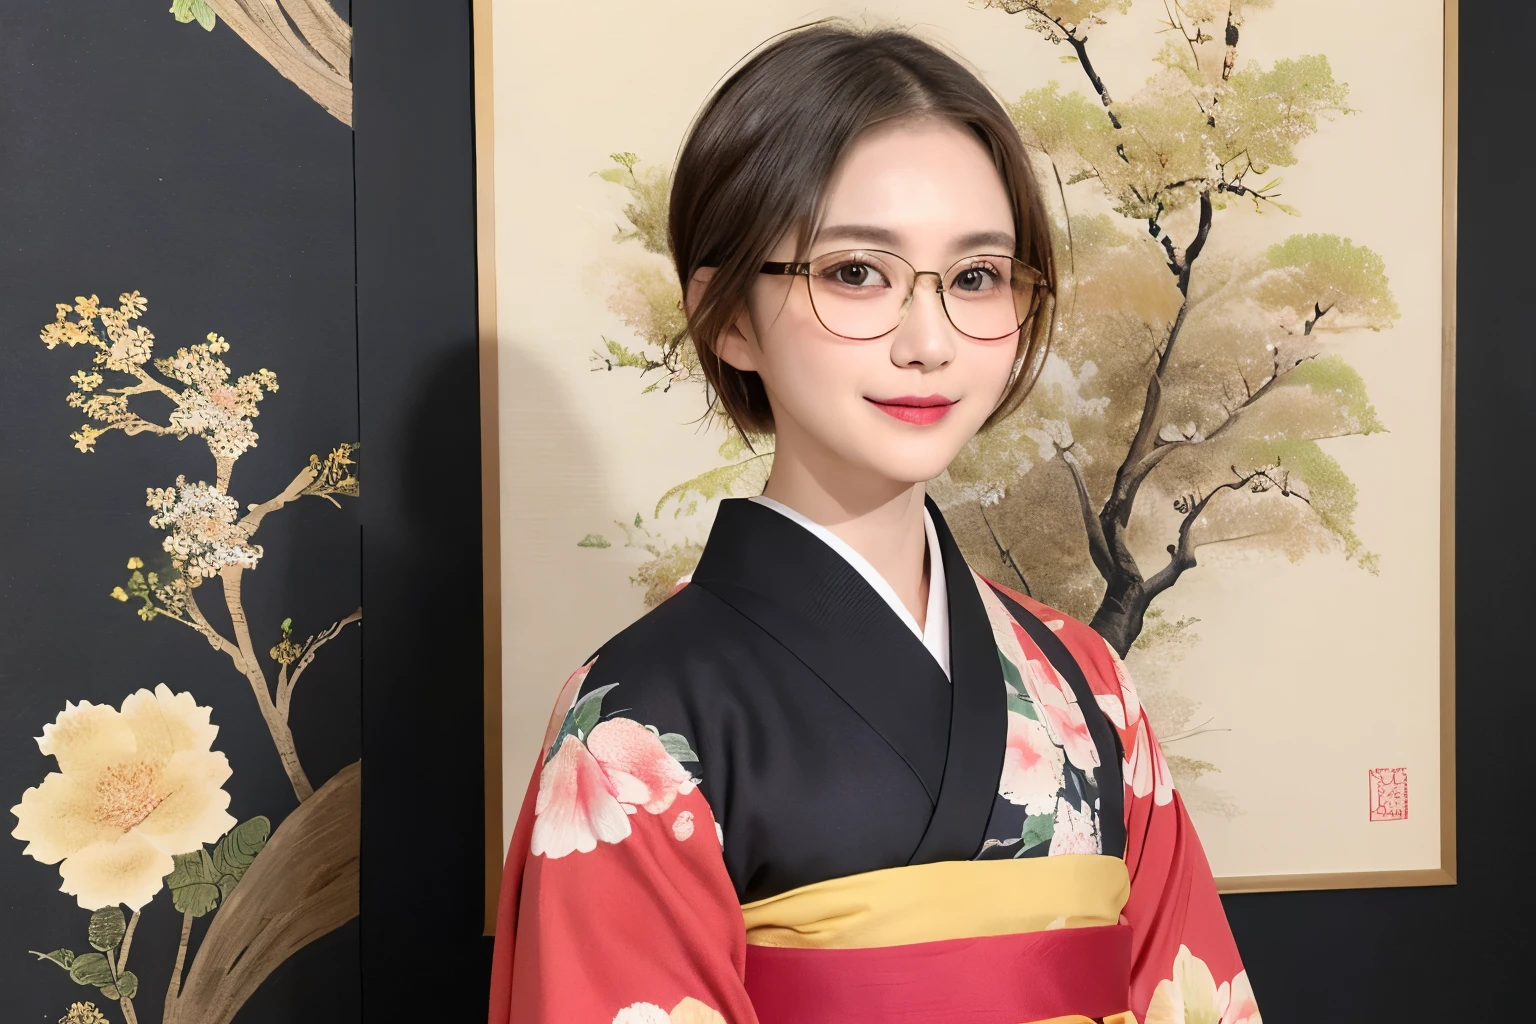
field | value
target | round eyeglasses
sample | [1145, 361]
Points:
[863, 294]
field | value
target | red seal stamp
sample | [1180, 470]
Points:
[1389, 794]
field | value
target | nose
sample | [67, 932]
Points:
[925, 338]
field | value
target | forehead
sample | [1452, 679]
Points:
[927, 186]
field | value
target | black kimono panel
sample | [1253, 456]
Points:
[829, 740]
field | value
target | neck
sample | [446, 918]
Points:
[879, 518]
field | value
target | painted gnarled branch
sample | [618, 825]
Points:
[305, 40]
[302, 885]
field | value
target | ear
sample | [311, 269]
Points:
[735, 346]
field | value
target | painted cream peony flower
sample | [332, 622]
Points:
[134, 786]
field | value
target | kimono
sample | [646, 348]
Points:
[767, 802]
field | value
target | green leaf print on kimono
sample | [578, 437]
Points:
[598, 773]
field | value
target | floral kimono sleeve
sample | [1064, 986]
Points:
[1185, 965]
[616, 906]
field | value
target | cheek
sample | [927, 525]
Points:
[803, 365]
[990, 366]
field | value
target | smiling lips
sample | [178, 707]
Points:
[920, 409]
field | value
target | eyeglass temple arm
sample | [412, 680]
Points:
[774, 267]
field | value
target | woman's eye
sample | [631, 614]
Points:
[975, 279]
[856, 275]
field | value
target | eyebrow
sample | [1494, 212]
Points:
[887, 237]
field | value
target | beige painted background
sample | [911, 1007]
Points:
[1315, 672]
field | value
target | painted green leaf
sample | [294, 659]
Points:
[677, 745]
[194, 10]
[106, 928]
[62, 957]
[194, 883]
[233, 854]
[127, 986]
[1023, 706]
[91, 969]
[1011, 674]
[593, 540]
[1038, 829]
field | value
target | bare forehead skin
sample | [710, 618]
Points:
[927, 190]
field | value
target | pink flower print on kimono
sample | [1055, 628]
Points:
[1076, 830]
[689, 1011]
[1063, 718]
[1032, 766]
[1146, 769]
[599, 773]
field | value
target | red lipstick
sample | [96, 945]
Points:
[919, 409]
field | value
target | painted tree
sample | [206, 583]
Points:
[138, 798]
[1191, 381]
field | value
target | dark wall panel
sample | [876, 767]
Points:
[139, 153]
[422, 805]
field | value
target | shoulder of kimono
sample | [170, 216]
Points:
[1086, 646]
[670, 668]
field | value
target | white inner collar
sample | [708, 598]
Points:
[935, 632]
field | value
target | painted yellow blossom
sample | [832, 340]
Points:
[83, 1013]
[135, 785]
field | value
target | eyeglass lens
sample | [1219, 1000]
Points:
[863, 293]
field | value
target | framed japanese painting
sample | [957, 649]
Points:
[1241, 476]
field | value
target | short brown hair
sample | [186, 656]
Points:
[761, 150]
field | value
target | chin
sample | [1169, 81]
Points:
[910, 467]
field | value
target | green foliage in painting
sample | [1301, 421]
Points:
[105, 932]
[91, 969]
[194, 10]
[193, 883]
[106, 929]
[201, 881]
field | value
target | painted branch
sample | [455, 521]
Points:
[286, 683]
[306, 62]
[1098, 547]
[202, 625]
[251, 521]
[127, 943]
[303, 885]
[1004, 552]
[174, 989]
[282, 736]
[1081, 47]
[324, 31]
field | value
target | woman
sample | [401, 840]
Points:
[838, 776]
